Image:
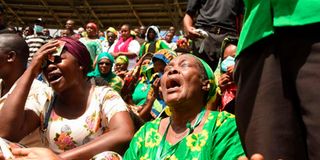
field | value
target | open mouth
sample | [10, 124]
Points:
[54, 77]
[173, 84]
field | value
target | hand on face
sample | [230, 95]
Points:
[154, 93]
[224, 81]
[230, 70]
[41, 56]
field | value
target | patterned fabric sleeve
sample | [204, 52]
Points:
[136, 143]
[38, 98]
[227, 143]
[163, 45]
[112, 102]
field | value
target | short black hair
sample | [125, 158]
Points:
[15, 42]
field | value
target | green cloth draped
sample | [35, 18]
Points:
[261, 17]
[218, 140]
[111, 78]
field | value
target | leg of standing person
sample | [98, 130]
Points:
[267, 121]
[299, 49]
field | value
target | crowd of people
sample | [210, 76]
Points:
[130, 93]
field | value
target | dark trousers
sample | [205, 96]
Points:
[209, 49]
[278, 95]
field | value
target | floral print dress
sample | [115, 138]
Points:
[64, 134]
[218, 140]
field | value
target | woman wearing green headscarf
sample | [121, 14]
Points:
[102, 72]
[192, 131]
[121, 66]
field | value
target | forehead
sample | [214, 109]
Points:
[90, 26]
[169, 34]
[185, 57]
[151, 31]
[70, 22]
[142, 28]
[124, 27]
[110, 34]
[104, 60]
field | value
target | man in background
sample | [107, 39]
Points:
[218, 18]
[14, 54]
[36, 40]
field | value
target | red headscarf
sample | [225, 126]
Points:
[93, 25]
[79, 51]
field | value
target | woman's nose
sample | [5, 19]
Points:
[173, 70]
[51, 66]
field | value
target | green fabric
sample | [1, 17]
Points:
[116, 83]
[295, 12]
[262, 16]
[112, 79]
[218, 140]
[211, 78]
[159, 45]
[140, 93]
[94, 47]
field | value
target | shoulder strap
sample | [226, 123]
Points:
[47, 113]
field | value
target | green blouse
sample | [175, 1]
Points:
[261, 16]
[218, 140]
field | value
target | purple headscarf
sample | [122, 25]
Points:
[79, 51]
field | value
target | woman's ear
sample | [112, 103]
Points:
[206, 85]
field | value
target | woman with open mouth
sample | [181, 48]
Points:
[192, 131]
[78, 120]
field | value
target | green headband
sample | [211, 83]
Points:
[211, 78]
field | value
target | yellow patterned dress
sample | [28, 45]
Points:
[218, 140]
[64, 134]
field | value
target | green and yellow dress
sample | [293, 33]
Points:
[218, 140]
